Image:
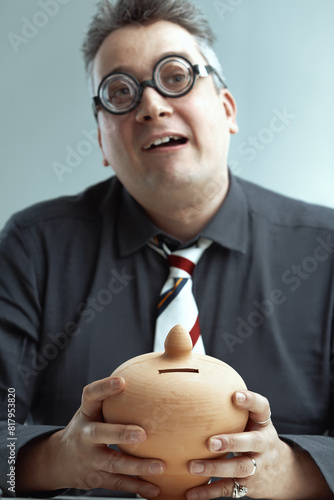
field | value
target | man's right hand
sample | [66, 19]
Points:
[79, 457]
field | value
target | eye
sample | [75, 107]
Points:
[119, 94]
[176, 78]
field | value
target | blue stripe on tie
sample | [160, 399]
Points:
[171, 297]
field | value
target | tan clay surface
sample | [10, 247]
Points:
[181, 399]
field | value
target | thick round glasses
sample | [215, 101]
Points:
[173, 76]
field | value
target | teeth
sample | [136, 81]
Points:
[163, 140]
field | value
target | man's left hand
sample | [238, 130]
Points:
[262, 462]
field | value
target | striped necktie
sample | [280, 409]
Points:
[176, 302]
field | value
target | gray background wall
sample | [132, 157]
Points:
[278, 60]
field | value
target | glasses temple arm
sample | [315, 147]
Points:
[202, 70]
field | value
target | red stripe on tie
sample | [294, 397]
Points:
[181, 263]
[195, 332]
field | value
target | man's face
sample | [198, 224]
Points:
[204, 118]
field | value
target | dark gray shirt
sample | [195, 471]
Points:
[79, 288]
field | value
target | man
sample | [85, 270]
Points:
[80, 283]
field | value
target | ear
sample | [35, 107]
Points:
[230, 107]
[105, 162]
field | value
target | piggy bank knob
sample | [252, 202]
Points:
[178, 344]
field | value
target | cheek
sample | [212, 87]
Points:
[208, 121]
[114, 135]
[197, 108]
[108, 124]
[207, 110]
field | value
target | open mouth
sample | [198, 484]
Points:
[164, 142]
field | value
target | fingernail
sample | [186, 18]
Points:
[216, 445]
[193, 496]
[155, 468]
[151, 491]
[136, 437]
[240, 397]
[115, 384]
[196, 468]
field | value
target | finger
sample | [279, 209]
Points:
[103, 433]
[129, 484]
[94, 394]
[223, 488]
[242, 466]
[244, 442]
[257, 405]
[114, 462]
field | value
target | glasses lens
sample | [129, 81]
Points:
[119, 93]
[174, 76]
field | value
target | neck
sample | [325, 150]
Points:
[184, 218]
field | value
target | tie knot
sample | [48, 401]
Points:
[181, 263]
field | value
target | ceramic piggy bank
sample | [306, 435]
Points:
[181, 399]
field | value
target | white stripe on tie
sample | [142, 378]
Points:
[176, 302]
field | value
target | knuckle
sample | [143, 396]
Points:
[142, 469]
[122, 434]
[265, 405]
[212, 469]
[242, 469]
[224, 490]
[266, 401]
[88, 432]
[115, 463]
[120, 483]
[257, 441]
[118, 434]
[86, 393]
[148, 467]
[93, 391]
[229, 442]
[111, 466]
[92, 433]
[142, 466]
[215, 471]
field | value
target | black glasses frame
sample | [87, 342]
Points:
[198, 70]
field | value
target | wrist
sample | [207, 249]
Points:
[38, 465]
[304, 478]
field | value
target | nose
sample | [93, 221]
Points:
[153, 106]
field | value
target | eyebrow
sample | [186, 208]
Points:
[127, 69]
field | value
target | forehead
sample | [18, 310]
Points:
[136, 48]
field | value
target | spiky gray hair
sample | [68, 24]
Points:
[112, 16]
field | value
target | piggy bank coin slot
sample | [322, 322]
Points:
[179, 370]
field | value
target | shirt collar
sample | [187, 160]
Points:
[135, 228]
[228, 228]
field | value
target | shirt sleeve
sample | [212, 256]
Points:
[10, 445]
[20, 318]
[320, 448]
